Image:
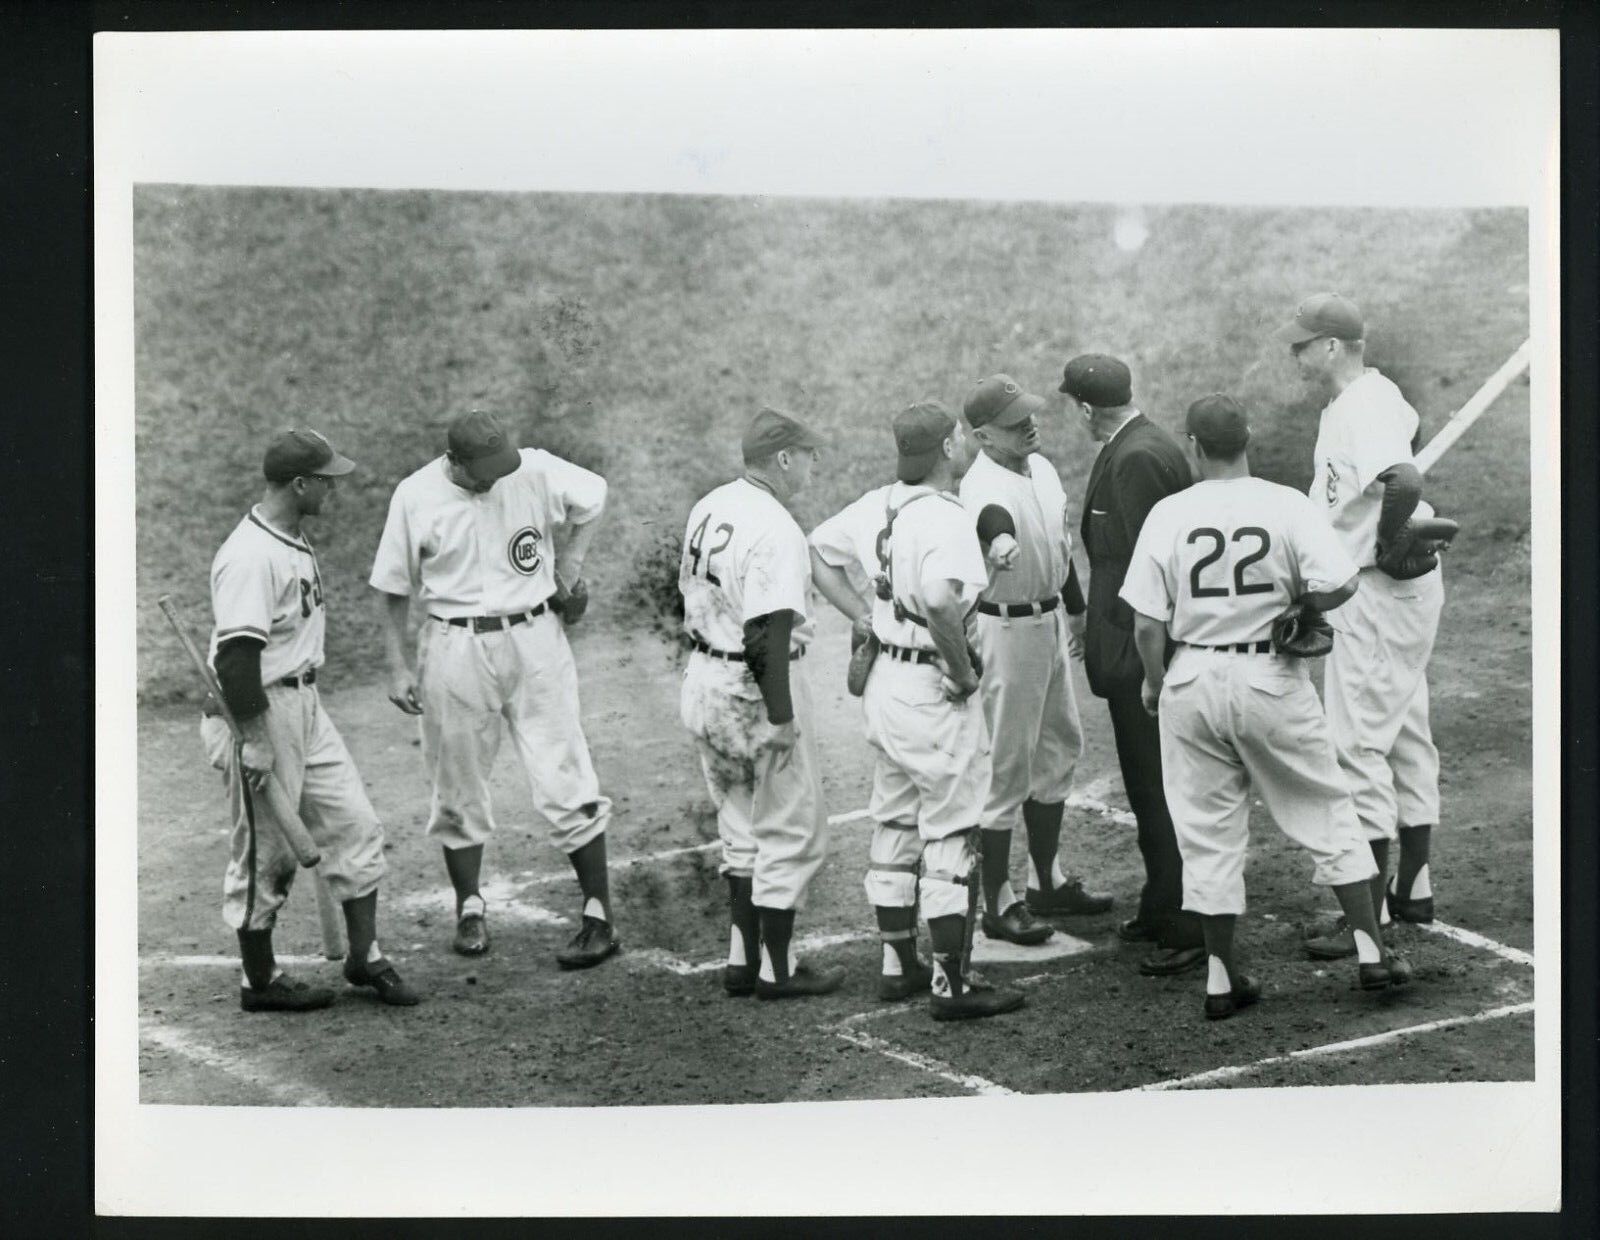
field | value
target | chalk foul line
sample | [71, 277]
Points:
[1337, 1048]
[923, 1063]
[286, 1092]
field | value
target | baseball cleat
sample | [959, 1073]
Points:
[1171, 961]
[803, 983]
[1069, 899]
[284, 994]
[976, 1000]
[1246, 990]
[1016, 925]
[1417, 912]
[1399, 970]
[1338, 942]
[594, 941]
[1134, 930]
[472, 935]
[382, 978]
[915, 982]
[738, 979]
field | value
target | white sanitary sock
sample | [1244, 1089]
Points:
[1217, 980]
[891, 961]
[1366, 950]
[736, 947]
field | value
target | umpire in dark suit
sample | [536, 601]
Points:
[1139, 464]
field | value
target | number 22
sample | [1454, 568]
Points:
[697, 541]
[1218, 543]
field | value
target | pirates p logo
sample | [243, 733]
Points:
[524, 551]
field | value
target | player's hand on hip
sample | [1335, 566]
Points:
[1150, 695]
[780, 742]
[1075, 627]
[1002, 553]
[256, 759]
[403, 692]
[958, 689]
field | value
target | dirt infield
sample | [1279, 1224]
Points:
[654, 1027]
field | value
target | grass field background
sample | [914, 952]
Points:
[637, 334]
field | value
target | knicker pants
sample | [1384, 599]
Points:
[771, 818]
[477, 686]
[316, 770]
[1230, 723]
[1376, 690]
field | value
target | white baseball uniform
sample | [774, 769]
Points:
[472, 557]
[1376, 688]
[265, 585]
[744, 557]
[1218, 563]
[1027, 683]
[932, 774]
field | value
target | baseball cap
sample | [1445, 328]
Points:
[1218, 424]
[299, 452]
[919, 434]
[1000, 401]
[771, 431]
[1322, 314]
[483, 446]
[1097, 379]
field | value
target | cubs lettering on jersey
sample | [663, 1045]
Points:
[465, 553]
[1223, 559]
[743, 557]
[265, 584]
[1038, 506]
[1364, 430]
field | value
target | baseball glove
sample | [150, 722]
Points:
[1302, 632]
[1415, 550]
[864, 648]
[570, 602]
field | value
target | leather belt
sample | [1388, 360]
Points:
[1264, 646]
[1021, 609]
[907, 654]
[294, 682]
[733, 656]
[492, 624]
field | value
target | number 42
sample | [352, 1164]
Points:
[693, 551]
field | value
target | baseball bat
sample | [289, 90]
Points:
[328, 916]
[283, 811]
[1474, 409]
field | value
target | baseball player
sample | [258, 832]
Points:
[472, 535]
[746, 582]
[1213, 567]
[933, 773]
[1014, 496]
[1376, 687]
[266, 647]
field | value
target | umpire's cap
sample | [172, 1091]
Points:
[483, 446]
[771, 431]
[1217, 423]
[302, 453]
[1099, 380]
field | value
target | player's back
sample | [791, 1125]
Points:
[732, 532]
[1231, 553]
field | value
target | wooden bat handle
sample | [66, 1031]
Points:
[284, 813]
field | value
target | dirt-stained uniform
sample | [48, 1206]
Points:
[745, 557]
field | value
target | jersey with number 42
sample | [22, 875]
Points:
[265, 585]
[1220, 561]
[743, 556]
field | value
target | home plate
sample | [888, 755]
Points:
[997, 951]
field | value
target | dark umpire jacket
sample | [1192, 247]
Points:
[1141, 465]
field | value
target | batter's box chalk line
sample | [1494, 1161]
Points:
[284, 1091]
